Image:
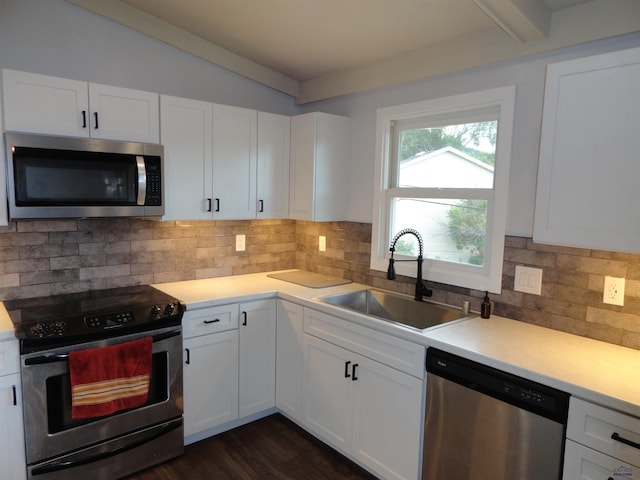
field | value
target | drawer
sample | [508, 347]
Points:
[209, 320]
[392, 351]
[582, 463]
[9, 357]
[595, 426]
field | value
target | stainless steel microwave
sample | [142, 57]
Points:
[62, 177]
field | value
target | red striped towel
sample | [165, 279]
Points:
[108, 379]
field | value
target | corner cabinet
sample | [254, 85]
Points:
[363, 394]
[319, 167]
[12, 454]
[587, 193]
[58, 106]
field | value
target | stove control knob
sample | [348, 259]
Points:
[38, 329]
[156, 310]
[168, 309]
[58, 327]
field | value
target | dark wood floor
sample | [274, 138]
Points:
[272, 447]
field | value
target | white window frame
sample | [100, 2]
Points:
[485, 277]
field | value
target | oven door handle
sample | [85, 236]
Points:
[63, 357]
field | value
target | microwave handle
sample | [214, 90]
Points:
[142, 180]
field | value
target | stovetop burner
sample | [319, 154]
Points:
[78, 317]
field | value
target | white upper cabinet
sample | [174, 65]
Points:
[587, 194]
[274, 132]
[319, 167]
[223, 162]
[235, 132]
[186, 127]
[57, 106]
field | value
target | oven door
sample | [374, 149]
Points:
[50, 430]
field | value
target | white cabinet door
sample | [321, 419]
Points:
[43, 104]
[387, 412]
[234, 162]
[124, 114]
[59, 106]
[274, 132]
[587, 193]
[4, 215]
[327, 392]
[188, 149]
[210, 381]
[582, 463]
[12, 455]
[318, 170]
[289, 358]
[257, 381]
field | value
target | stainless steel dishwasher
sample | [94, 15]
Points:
[482, 423]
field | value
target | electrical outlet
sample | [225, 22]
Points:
[322, 243]
[240, 243]
[613, 291]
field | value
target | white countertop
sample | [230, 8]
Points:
[600, 372]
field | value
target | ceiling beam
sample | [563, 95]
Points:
[160, 30]
[523, 20]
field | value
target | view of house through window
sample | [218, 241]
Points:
[454, 157]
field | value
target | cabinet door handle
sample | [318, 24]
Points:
[346, 369]
[217, 204]
[188, 361]
[353, 372]
[208, 204]
[215, 320]
[244, 319]
[95, 116]
[615, 436]
[261, 208]
[84, 119]
[15, 396]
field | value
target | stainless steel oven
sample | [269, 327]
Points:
[59, 446]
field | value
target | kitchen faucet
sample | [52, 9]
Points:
[421, 289]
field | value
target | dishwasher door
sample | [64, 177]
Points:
[482, 423]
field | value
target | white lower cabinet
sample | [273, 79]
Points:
[210, 381]
[229, 365]
[360, 406]
[289, 359]
[12, 455]
[602, 444]
[257, 356]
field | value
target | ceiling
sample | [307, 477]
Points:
[315, 49]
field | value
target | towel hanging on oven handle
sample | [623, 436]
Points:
[63, 357]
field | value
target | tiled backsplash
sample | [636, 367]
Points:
[46, 257]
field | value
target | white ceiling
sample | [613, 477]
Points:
[314, 49]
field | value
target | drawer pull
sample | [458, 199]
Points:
[212, 321]
[618, 438]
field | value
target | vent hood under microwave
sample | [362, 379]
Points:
[64, 177]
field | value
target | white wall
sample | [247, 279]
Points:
[53, 37]
[528, 76]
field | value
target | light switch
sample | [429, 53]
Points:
[528, 280]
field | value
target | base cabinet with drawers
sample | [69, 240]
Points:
[357, 398]
[602, 444]
[229, 365]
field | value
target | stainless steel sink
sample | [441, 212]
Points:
[397, 308]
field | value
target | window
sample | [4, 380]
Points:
[443, 170]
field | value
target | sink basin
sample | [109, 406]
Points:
[397, 308]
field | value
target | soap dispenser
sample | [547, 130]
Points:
[485, 308]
